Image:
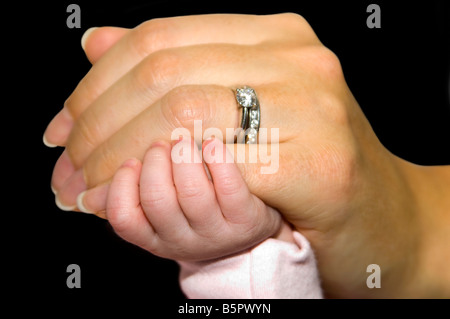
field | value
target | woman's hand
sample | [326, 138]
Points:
[336, 183]
[171, 82]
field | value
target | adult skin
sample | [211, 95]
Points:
[357, 203]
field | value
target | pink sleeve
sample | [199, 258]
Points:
[273, 269]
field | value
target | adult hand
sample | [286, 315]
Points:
[357, 203]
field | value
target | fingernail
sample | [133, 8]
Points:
[175, 142]
[197, 153]
[82, 208]
[47, 143]
[208, 141]
[131, 162]
[160, 144]
[214, 151]
[86, 35]
[58, 129]
[62, 171]
[208, 173]
[63, 207]
[93, 201]
[66, 198]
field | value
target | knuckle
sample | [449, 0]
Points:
[328, 64]
[189, 189]
[185, 104]
[88, 90]
[69, 104]
[158, 71]
[292, 18]
[89, 129]
[229, 186]
[297, 24]
[323, 64]
[85, 92]
[333, 110]
[120, 224]
[102, 164]
[154, 198]
[118, 217]
[180, 241]
[150, 36]
[84, 137]
[259, 222]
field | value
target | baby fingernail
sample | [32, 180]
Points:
[131, 162]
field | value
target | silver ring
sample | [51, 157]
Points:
[251, 114]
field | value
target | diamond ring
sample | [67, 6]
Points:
[251, 114]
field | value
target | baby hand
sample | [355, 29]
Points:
[173, 209]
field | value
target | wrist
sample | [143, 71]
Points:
[430, 188]
[387, 217]
[284, 233]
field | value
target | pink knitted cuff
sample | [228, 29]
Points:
[272, 269]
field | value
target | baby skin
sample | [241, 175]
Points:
[228, 243]
[174, 210]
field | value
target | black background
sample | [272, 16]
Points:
[399, 75]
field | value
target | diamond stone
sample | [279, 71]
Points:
[246, 97]
[251, 133]
[254, 123]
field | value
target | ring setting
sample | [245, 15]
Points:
[251, 114]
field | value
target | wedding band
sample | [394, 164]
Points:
[251, 114]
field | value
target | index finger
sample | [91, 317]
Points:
[158, 34]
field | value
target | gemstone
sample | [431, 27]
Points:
[251, 132]
[246, 97]
[251, 140]
[251, 135]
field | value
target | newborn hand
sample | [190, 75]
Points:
[175, 211]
